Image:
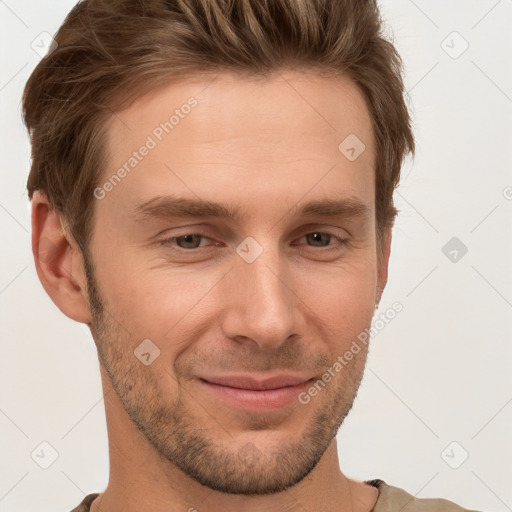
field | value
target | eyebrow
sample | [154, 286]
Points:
[166, 207]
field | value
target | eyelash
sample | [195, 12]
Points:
[168, 241]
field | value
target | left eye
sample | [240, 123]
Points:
[318, 237]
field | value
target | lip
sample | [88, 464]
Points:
[249, 393]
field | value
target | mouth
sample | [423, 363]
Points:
[251, 394]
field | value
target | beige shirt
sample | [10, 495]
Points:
[391, 499]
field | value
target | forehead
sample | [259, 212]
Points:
[287, 102]
[227, 135]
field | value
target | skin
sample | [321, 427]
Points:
[257, 144]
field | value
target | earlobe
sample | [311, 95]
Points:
[58, 260]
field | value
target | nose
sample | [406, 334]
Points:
[263, 307]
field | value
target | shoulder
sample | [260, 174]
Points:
[392, 499]
[85, 505]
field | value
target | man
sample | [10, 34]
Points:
[211, 194]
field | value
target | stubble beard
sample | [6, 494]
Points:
[187, 443]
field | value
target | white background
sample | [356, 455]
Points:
[438, 373]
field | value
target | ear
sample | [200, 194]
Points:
[382, 263]
[58, 260]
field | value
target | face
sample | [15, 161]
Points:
[231, 265]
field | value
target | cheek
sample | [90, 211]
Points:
[156, 303]
[165, 303]
[341, 301]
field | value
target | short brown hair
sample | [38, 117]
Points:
[109, 52]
